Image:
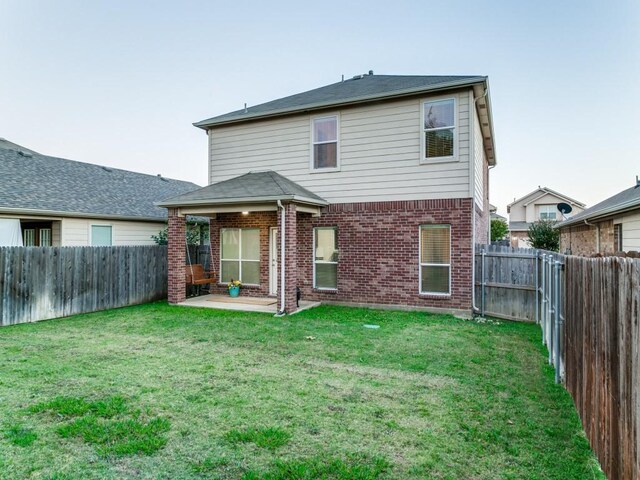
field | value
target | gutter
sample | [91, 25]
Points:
[620, 208]
[282, 310]
[211, 122]
[57, 213]
[235, 201]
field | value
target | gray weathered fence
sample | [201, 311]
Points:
[38, 283]
[602, 344]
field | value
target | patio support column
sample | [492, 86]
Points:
[291, 257]
[176, 257]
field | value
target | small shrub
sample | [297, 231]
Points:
[543, 235]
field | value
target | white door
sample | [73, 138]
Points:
[273, 261]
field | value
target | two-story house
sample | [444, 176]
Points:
[541, 204]
[371, 190]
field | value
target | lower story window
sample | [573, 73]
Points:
[325, 258]
[101, 236]
[435, 259]
[240, 255]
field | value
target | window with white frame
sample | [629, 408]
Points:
[29, 237]
[325, 258]
[548, 212]
[101, 236]
[617, 237]
[324, 143]
[435, 259]
[439, 129]
[45, 237]
[240, 255]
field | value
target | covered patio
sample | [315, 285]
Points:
[253, 235]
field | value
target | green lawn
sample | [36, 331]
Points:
[156, 391]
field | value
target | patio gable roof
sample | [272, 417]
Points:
[249, 190]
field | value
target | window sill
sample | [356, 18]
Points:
[324, 170]
[325, 290]
[434, 295]
[244, 285]
[429, 161]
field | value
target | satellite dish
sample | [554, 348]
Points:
[564, 208]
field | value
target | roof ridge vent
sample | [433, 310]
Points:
[24, 154]
[357, 77]
[106, 169]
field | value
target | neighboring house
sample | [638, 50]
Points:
[541, 204]
[51, 201]
[494, 215]
[611, 226]
[372, 190]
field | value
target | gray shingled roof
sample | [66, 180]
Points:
[357, 89]
[625, 200]
[518, 226]
[251, 187]
[34, 182]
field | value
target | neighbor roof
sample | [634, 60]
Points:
[252, 187]
[628, 199]
[357, 89]
[544, 191]
[31, 183]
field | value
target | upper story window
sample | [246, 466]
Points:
[324, 143]
[439, 130]
[548, 212]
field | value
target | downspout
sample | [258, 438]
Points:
[474, 308]
[282, 262]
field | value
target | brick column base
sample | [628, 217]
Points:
[291, 258]
[176, 257]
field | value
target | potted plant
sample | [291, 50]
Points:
[234, 287]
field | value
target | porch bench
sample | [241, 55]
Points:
[195, 275]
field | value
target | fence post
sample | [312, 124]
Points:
[483, 283]
[556, 350]
[550, 332]
[543, 294]
[537, 289]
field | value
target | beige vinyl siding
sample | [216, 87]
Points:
[631, 232]
[55, 233]
[77, 231]
[479, 162]
[379, 150]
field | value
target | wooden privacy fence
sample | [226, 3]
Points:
[603, 357]
[38, 283]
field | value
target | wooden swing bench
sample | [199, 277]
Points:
[195, 275]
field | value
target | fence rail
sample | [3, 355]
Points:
[39, 283]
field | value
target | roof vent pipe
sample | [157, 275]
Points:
[245, 108]
[637, 181]
[370, 72]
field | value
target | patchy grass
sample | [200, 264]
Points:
[165, 392]
[270, 438]
[20, 436]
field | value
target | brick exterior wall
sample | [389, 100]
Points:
[176, 257]
[261, 220]
[583, 239]
[378, 252]
[378, 247]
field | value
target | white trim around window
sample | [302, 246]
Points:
[100, 226]
[313, 142]
[240, 260]
[333, 256]
[445, 262]
[425, 105]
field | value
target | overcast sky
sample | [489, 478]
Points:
[119, 83]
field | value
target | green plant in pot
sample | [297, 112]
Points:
[234, 287]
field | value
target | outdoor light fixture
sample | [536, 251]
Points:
[245, 213]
